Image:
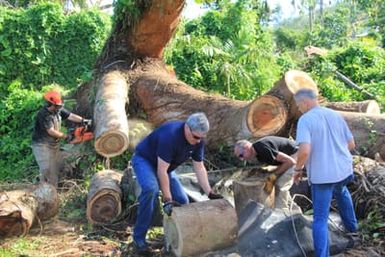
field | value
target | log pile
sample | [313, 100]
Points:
[19, 209]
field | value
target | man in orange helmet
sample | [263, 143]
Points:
[46, 136]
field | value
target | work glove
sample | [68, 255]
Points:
[270, 183]
[213, 196]
[86, 122]
[167, 207]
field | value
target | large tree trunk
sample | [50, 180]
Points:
[20, 208]
[368, 131]
[165, 98]
[111, 127]
[368, 106]
[201, 227]
[104, 197]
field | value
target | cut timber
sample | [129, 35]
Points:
[19, 208]
[111, 129]
[201, 227]
[156, 27]
[164, 98]
[288, 85]
[251, 188]
[368, 106]
[104, 197]
[368, 131]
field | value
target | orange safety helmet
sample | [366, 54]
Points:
[53, 97]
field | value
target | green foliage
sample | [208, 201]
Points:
[289, 39]
[41, 45]
[17, 113]
[226, 51]
[363, 63]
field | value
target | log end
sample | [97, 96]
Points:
[111, 143]
[104, 208]
[296, 80]
[266, 116]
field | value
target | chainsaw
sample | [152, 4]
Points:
[80, 133]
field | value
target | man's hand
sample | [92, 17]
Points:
[167, 207]
[212, 196]
[270, 183]
[297, 177]
[86, 122]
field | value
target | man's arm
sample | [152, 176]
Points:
[201, 173]
[163, 179]
[351, 144]
[75, 118]
[287, 162]
[303, 155]
[55, 133]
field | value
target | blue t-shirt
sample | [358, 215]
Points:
[328, 135]
[170, 144]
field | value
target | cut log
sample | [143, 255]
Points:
[156, 27]
[104, 197]
[164, 98]
[368, 131]
[19, 208]
[201, 227]
[111, 127]
[251, 188]
[368, 106]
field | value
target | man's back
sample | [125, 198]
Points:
[328, 134]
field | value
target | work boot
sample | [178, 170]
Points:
[145, 250]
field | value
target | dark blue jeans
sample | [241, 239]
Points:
[146, 175]
[322, 195]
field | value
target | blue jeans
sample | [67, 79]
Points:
[146, 175]
[322, 195]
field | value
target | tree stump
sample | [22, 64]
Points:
[201, 227]
[251, 188]
[104, 197]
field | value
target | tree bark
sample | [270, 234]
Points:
[368, 106]
[164, 98]
[19, 208]
[368, 131]
[201, 227]
[111, 127]
[104, 197]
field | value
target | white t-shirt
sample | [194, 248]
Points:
[328, 134]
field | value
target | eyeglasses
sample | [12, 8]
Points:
[241, 155]
[195, 136]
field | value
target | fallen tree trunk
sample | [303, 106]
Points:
[104, 197]
[201, 227]
[284, 89]
[20, 208]
[368, 131]
[111, 127]
[165, 98]
[368, 106]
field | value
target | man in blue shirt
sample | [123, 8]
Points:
[154, 162]
[325, 142]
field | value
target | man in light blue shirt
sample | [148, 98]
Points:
[325, 142]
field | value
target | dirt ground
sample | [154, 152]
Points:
[69, 234]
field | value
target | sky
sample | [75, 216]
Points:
[193, 10]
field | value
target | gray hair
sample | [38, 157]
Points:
[241, 144]
[198, 122]
[305, 93]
